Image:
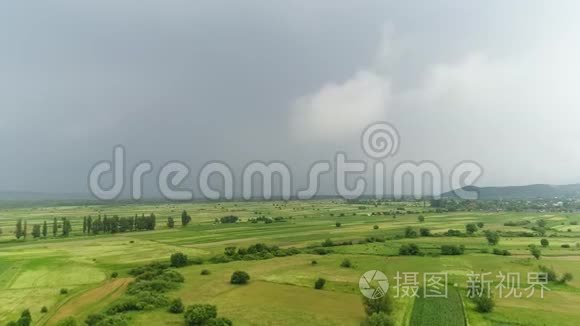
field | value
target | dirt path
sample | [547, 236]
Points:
[76, 306]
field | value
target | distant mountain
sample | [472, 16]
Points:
[35, 196]
[536, 191]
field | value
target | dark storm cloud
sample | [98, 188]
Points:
[200, 81]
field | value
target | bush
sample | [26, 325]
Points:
[492, 237]
[44, 309]
[239, 277]
[319, 284]
[550, 273]
[565, 245]
[484, 303]
[410, 233]
[378, 319]
[471, 228]
[63, 291]
[200, 314]
[480, 225]
[314, 262]
[114, 274]
[205, 272]
[346, 263]
[375, 227]
[94, 319]
[544, 243]
[499, 252]
[536, 252]
[452, 250]
[567, 277]
[424, 232]
[409, 250]
[379, 305]
[155, 285]
[178, 259]
[338, 224]
[176, 306]
[229, 219]
[421, 218]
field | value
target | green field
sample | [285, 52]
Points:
[33, 271]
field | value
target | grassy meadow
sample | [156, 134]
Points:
[280, 292]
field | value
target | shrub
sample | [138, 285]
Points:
[319, 284]
[176, 306]
[492, 237]
[550, 273]
[544, 243]
[452, 250]
[314, 262]
[484, 303]
[421, 218]
[327, 243]
[410, 233]
[44, 309]
[94, 319]
[379, 305]
[536, 252]
[565, 245]
[409, 250]
[63, 291]
[199, 314]
[499, 252]
[375, 227]
[453, 233]
[155, 285]
[239, 277]
[229, 219]
[567, 277]
[480, 225]
[471, 228]
[114, 274]
[178, 259]
[424, 232]
[205, 272]
[338, 224]
[378, 319]
[346, 263]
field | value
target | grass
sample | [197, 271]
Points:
[280, 291]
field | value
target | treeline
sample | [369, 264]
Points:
[118, 224]
[97, 225]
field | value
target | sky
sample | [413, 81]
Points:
[495, 82]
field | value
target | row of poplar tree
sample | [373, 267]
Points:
[91, 225]
[38, 230]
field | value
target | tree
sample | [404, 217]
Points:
[176, 306]
[567, 277]
[424, 232]
[240, 277]
[480, 225]
[492, 237]
[346, 263]
[84, 225]
[18, 231]
[378, 319]
[409, 250]
[199, 314]
[36, 231]
[319, 284]
[25, 229]
[170, 222]
[185, 218]
[536, 252]
[544, 243]
[471, 228]
[54, 227]
[484, 303]
[410, 233]
[66, 227]
[178, 259]
[89, 225]
[541, 223]
[421, 218]
[44, 229]
[378, 305]
[338, 224]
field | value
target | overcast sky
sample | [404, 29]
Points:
[295, 81]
